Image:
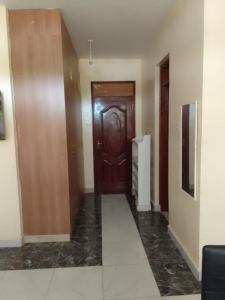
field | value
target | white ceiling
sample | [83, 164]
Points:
[120, 28]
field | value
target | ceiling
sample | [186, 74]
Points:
[119, 28]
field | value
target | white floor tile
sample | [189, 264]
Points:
[83, 283]
[123, 253]
[122, 282]
[25, 285]
[119, 233]
[118, 221]
[110, 212]
[114, 197]
[2, 273]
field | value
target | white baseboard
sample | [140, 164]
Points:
[144, 207]
[156, 207]
[46, 238]
[11, 243]
[184, 253]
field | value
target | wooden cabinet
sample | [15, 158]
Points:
[48, 120]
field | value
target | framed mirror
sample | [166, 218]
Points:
[2, 122]
[188, 148]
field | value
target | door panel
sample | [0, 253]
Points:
[164, 137]
[113, 121]
[113, 126]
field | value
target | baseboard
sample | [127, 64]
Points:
[46, 238]
[184, 253]
[144, 207]
[11, 243]
[156, 207]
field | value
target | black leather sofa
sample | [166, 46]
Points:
[213, 273]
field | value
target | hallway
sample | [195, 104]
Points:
[105, 259]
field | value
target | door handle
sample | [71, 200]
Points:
[99, 143]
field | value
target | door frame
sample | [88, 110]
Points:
[133, 82]
[164, 206]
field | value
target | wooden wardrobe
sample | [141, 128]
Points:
[48, 122]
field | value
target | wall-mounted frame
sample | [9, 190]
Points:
[189, 140]
[2, 120]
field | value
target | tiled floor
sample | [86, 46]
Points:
[122, 271]
[86, 283]
[171, 272]
[125, 274]
[85, 248]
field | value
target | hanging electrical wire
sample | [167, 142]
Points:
[90, 52]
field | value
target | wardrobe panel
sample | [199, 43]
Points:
[74, 122]
[37, 69]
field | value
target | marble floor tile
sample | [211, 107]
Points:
[3, 259]
[76, 284]
[162, 250]
[174, 278]
[151, 218]
[172, 274]
[84, 232]
[85, 248]
[122, 282]
[123, 253]
[153, 234]
[29, 284]
[78, 254]
[189, 297]
[53, 255]
[32, 256]
[132, 242]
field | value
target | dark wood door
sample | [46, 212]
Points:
[164, 136]
[113, 125]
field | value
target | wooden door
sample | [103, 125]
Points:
[164, 136]
[113, 126]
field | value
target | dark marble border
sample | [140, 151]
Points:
[85, 248]
[172, 274]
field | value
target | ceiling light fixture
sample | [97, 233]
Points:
[90, 52]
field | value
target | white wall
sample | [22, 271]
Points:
[213, 127]
[148, 83]
[104, 70]
[181, 36]
[148, 113]
[10, 221]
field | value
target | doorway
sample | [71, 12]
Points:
[113, 107]
[164, 136]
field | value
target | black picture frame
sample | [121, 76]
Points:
[2, 119]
